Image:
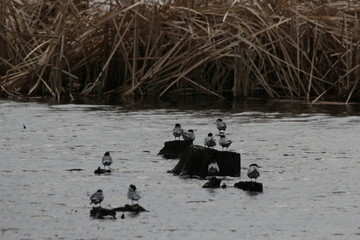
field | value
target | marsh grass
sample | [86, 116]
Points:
[293, 48]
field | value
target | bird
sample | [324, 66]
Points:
[107, 160]
[97, 197]
[213, 168]
[188, 135]
[223, 141]
[220, 125]
[177, 131]
[132, 194]
[253, 171]
[209, 141]
[24, 126]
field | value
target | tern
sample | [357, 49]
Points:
[132, 194]
[209, 141]
[223, 141]
[253, 171]
[107, 160]
[220, 125]
[188, 135]
[97, 197]
[177, 131]
[213, 168]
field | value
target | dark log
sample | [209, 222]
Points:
[214, 182]
[174, 149]
[100, 213]
[75, 170]
[196, 160]
[130, 208]
[249, 186]
[102, 171]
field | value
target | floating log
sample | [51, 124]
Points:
[195, 161]
[75, 170]
[214, 182]
[102, 171]
[249, 186]
[174, 149]
[130, 208]
[100, 213]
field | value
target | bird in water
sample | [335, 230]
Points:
[107, 160]
[223, 141]
[213, 168]
[209, 141]
[132, 194]
[24, 126]
[188, 135]
[97, 197]
[177, 131]
[253, 171]
[221, 126]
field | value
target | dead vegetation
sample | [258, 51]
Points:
[277, 48]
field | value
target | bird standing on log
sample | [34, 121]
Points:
[177, 131]
[210, 141]
[223, 141]
[132, 194]
[213, 168]
[188, 135]
[253, 171]
[97, 197]
[107, 160]
[221, 126]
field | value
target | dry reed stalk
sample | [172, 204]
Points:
[131, 48]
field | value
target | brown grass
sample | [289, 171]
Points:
[277, 48]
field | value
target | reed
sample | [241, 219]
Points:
[274, 48]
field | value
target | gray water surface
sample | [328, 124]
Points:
[310, 172]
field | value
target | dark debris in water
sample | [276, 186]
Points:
[102, 171]
[4, 230]
[34, 170]
[249, 186]
[130, 208]
[101, 213]
[75, 170]
[214, 182]
[196, 201]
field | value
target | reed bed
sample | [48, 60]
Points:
[276, 48]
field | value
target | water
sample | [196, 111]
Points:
[309, 158]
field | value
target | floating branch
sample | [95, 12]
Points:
[100, 213]
[249, 186]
